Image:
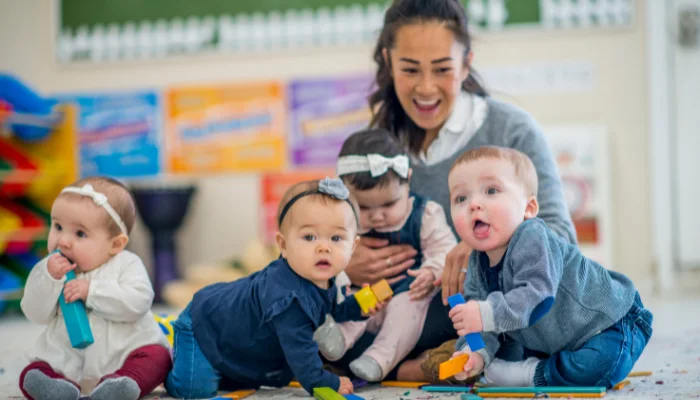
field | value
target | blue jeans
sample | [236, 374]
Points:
[192, 376]
[605, 359]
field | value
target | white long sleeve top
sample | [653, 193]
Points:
[119, 309]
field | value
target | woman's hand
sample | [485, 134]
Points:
[452, 279]
[374, 260]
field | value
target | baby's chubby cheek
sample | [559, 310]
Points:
[462, 224]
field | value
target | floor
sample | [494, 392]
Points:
[673, 355]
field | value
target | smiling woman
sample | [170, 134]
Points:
[429, 97]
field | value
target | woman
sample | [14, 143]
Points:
[429, 97]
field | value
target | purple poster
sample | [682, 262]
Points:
[323, 113]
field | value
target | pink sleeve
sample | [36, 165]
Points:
[436, 238]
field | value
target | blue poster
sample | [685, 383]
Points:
[119, 133]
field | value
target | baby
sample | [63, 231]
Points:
[90, 225]
[376, 169]
[259, 330]
[581, 324]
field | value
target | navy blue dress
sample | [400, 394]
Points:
[259, 330]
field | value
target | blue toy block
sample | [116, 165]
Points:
[353, 397]
[474, 340]
[76, 319]
[469, 396]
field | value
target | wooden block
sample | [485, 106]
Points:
[541, 389]
[326, 393]
[382, 290]
[366, 299]
[405, 384]
[639, 373]
[237, 395]
[452, 367]
[622, 384]
[294, 384]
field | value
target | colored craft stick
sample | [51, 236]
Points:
[541, 389]
[294, 384]
[326, 393]
[470, 396]
[452, 367]
[473, 339]
[237, 395]
[639, 373]
[404, 384]
[622, 384]
[353, 397]
[439, 388]
[540, 395]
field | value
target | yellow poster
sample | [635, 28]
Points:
[226, 128]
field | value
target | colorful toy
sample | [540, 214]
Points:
[237, 395]
[404, 384]
[445, 388]
[10, 288]
[469, 396]
[639, 373]
[76, 318]
[369, 296]
[622, 384]
[326, 393]
[9, 222]
[165, 322]
[28, 108]
[353, 397]
[473, 339]
[452, 367]
[543, 391]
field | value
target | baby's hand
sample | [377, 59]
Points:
[473, 366]
[345, 386]
[58, 265]
[377, 308]
[466, 318]
[423, 284]
[77, 289]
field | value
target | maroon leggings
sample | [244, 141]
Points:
[148, 366]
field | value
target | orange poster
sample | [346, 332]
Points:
[273, 187]
[226, 128]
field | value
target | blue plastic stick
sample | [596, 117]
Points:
[76, 318]
[438, 388]
[473, 339]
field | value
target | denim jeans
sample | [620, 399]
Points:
[605, 359]
[192, 376]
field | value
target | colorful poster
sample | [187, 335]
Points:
[273, 186]
[237, 127]
[118, 133]
[323, 113]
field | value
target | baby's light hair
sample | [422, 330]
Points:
[310, 186]
[524, 168]
[118, 196]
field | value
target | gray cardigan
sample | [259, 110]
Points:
[552, 298]
[506, 126]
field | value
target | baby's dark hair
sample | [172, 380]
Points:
[371, 141]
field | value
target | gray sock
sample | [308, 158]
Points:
[122, 388]
[41, 387]
[367, 368]
[330, 340]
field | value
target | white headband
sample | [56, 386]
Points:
[100, 200]
[375, 164]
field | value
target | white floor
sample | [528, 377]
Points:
[673, 355]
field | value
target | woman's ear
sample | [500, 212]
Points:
[281, 243]
[410, 173]
[387, 60]
[119, 243]
[467, 65]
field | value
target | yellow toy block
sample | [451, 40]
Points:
[452, 367]
[237, 395]
[366, 299]
[404, 384]
[382, 290]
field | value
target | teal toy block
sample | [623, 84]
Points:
[76, 319]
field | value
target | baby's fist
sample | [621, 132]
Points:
[345, 386]
[57, 265]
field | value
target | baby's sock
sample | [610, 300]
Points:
[41, 387]
[367, 368]
[122, 388]
[505, 373]
[330, 339]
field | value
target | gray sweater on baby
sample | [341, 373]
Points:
[552, 298]
[505, 126]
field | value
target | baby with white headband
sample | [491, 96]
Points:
[375, 167]
[90, 225]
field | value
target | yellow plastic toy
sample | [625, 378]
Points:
[166, 325]
[9, 222]
[369, 296]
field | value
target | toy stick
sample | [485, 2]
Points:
[404, 384]
[438, 388]
[452, 367]
[469, 396]
[473, 339]
[326, 393]
[538, 395]
[76, 319]
[541, 389]
[639, 373]
[237, 395]
[622, 384]
[353, 397]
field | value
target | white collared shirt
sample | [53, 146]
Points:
[468, 114]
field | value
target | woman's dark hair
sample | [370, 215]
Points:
[371, 141]
[387, 111]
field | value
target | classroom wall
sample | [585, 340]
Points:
[224, 213]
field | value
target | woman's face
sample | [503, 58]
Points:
[428, 67]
